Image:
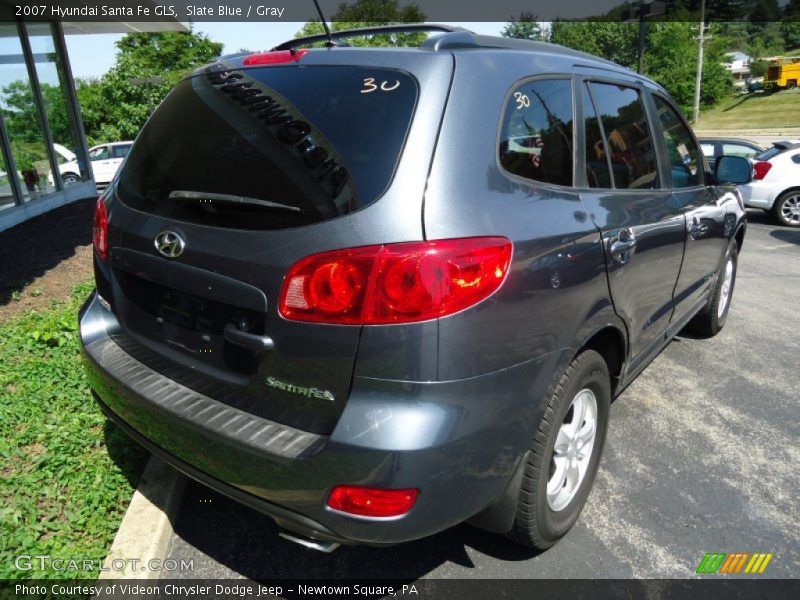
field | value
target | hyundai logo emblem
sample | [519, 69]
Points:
[170, 244]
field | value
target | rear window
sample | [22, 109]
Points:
[770, 153]
[271, 148]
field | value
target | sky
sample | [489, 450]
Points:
[93, 55]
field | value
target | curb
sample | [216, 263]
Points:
[146, 529]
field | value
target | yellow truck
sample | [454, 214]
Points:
[782, 75]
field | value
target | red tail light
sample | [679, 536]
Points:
[395, 283]
[761, 169]
[372, 502]
[100, 229]
[274, 58]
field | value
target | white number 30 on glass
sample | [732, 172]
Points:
[385, 86]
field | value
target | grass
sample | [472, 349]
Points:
[755, 112]
[66, 475]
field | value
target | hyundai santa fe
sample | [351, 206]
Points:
[375, 293]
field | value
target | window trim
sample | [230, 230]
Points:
[509, 94]
[585, 85]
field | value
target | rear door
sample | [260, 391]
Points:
[253, 169]
[643, 229]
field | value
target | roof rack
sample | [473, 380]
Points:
[381, 29]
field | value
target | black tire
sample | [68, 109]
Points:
[710, 321]
[70, 179]
[785, 207]
[536, 524]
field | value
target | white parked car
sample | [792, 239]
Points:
[106, 159]
[776, 182]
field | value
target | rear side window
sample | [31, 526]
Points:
[684, 156]
[536, 137]
[271, 148]
[628, 140]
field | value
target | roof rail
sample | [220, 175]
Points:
[377, 30]
[468, 39]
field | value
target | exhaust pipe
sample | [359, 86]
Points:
[326, 547]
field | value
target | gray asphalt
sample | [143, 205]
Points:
[702, 456]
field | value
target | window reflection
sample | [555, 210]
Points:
[684, 156]
[537, 132]
[19, 110]
[629, 144]
[61, 120]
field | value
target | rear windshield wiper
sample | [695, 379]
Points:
[211, 197]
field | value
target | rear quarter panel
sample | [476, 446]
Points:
[556, 293]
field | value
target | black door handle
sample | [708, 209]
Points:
[247, 340]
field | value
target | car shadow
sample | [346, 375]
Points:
[126, 454]
[789, 236]
[761, 217]
[242, 540]
[36, 246]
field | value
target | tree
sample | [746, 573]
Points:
[672, 60]
[670, 56]
[791, 24]
[613, 40]
[369, 13]
[524, 27]
[148, 65]
[24, 129]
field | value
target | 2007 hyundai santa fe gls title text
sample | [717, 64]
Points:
[374, 293]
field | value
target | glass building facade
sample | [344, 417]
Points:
[43, 154]
[44, 160]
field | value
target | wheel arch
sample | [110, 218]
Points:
[739, 235]
[611, 343]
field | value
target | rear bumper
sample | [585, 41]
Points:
[459, 442]
[759, 194]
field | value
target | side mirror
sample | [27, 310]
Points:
[733, 169]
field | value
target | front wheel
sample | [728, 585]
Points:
[565, 453]
[787, 208]
[712, 319]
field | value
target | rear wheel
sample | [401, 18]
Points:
[70, 179]
[566, 451]
[712, 319]
[787, 208]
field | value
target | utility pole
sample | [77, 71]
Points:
[700, 42]
[642, 37]
[639, 14]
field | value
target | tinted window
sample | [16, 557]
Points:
[536, 140]
[120, 151]
[270, 148]
[629, 144]
[685, 161]
[597, 170]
